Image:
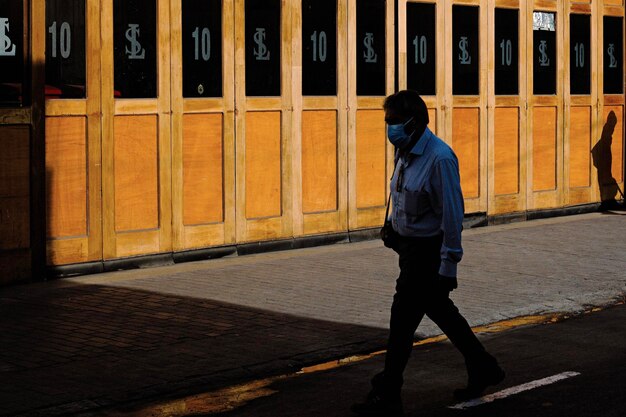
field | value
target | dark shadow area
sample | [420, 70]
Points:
[70, 348]
[603, 161]
[49, 181]
[590, 344]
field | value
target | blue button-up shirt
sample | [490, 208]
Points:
[428, 201]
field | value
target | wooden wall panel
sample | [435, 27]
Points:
[544, 148]
[263, 164]
[203, 180]
[14, 223]
[14, 161]
[14, 188]
[370, 158]
[465, 142]
[319, 161]
[616, 145]
[506, 151]
[136, 173]
[580, 147]
[66, 176]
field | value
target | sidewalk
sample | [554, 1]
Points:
[77, 344]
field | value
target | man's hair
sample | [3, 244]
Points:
[408, 103]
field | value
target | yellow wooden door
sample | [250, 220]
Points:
[263, 86]
[466, 97]
[21, 206]
[203, 118]
[136, 148]
[72, 111]
[320, 118]
[607, 152]
[544, 28]
[370, 78]
[421, 60]
[506, 107]
[580, 53]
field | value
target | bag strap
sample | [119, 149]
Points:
[389, 198]
[387, 210]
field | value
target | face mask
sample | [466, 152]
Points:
[397, 136]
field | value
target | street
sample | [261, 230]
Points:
[172, 337]
[592, 345]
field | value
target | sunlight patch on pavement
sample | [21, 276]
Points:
[514, 390]
[219, 401]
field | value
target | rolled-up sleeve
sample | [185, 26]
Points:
[446, 183]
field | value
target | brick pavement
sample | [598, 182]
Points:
[78, 344]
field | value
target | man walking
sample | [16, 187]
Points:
[427, 220]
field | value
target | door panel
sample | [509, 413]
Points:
[263, 120]
[580, 147]
[544, 148]
[319, 161]
[73, 125]
[262, 168]
[617, 168]
[203, 135]
[14, 188]
[466, 143]
[466, 90]
[507, 111]
[203, 167]
[545, 105]
[506, 153]
[371, 64]
[608, 152]
[66, 165]
[581, 98]
[420, 60]
[319, 117]
[371, 168]
[136, 119]
[136, 173]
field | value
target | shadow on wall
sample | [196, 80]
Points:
[603, 161]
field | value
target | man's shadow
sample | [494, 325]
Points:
[603, 161]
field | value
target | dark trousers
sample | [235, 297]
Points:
[419, 292]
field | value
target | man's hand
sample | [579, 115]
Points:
[447, 283]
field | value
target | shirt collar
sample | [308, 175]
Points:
[422, 142]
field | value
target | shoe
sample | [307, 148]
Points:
[479, 380]
[383, 400]
[377, 405]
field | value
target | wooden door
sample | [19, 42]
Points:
[22, 221]
[580, 86]
[507, 107]
[320, 117]
[263, 120]
[421, 58]
[72, 111]
[608, 150]
[203, 123]
[370, 78]
[466, 97]
[544, 29]
[136, 148]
